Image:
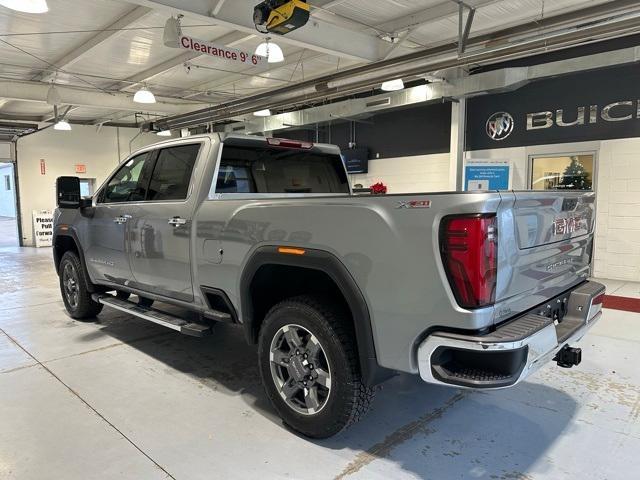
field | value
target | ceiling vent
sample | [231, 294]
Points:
[383, 102]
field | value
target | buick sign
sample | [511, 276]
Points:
[499, 126]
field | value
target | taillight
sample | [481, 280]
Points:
[469, 248]
[286, 143]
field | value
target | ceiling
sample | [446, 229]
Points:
[99, 52]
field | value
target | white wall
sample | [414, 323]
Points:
[420, 173]
[617, 248]
[617, 244]
[100, 150]
[7, 200]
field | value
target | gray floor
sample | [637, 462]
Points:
[120, 398]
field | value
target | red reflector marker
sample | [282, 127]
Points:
[469, 249]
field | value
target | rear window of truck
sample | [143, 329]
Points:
[279, 170]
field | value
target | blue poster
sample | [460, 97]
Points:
[486, 176]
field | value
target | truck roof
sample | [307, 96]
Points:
[236, 137]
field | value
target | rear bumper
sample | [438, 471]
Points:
[514, 351]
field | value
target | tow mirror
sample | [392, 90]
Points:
[68, 192]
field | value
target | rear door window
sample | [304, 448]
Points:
[278, 170]
[172, 173]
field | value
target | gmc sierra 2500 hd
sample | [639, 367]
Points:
[338, 291]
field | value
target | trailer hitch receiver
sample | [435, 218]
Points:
[568, 357]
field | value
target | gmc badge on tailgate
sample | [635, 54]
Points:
[563, 226]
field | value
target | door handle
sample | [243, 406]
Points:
[177, 221]
[121, 219]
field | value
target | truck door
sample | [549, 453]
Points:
[107, 231]
[160, 230]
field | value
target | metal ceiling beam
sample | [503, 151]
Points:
[37, 92]
[317, 35]
[50, 117]
[81, 50]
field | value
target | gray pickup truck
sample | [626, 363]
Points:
[339, 291]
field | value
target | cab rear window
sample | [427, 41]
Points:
[278, 170]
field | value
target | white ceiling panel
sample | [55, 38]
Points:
[374, 13]
[66, 24]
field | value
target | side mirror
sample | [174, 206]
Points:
[68, 192]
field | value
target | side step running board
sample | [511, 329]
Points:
[155, 316]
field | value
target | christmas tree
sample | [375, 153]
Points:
[575, 177]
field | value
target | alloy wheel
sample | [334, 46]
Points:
[300, 369]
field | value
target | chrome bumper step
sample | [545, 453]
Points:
[152, 315]
[514, 350]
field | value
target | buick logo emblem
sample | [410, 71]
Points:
[499, 126]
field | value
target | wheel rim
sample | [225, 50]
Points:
[300, 369]
[70, 284]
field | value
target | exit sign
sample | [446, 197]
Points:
[81, 168]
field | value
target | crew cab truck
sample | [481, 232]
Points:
[339, 291]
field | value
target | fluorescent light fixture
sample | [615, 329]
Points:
[262, 113]
[27, 6]
[144, 96]
[392, 85]
[270, 50]
[172, 32]
[62, 125]
[164, 133]
[53, 96]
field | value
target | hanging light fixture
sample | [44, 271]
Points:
[392, 85]
[53, 96]
[62, 125]
[144, 95]
[262, 113]
[27, 6]
[164, 133]
[172, 32]
[270, 50]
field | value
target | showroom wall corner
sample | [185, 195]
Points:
[45, 155]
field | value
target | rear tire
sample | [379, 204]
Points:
[309, 367]
[73, 287]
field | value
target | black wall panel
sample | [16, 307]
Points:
[421, 130]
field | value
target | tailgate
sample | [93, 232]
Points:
[553, 233]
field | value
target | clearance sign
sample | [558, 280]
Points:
[220, 51]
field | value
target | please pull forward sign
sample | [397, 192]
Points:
[220, 51]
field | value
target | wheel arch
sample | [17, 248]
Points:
[316, 264]
[67, 240]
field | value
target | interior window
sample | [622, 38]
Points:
[127, 185]
[172, 173]
[562, 172]
[277, 170]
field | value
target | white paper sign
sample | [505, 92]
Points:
[221, 52]
[42, 228]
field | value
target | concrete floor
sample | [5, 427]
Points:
[121, 398]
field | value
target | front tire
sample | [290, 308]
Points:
[309, 367]
[73, 286]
